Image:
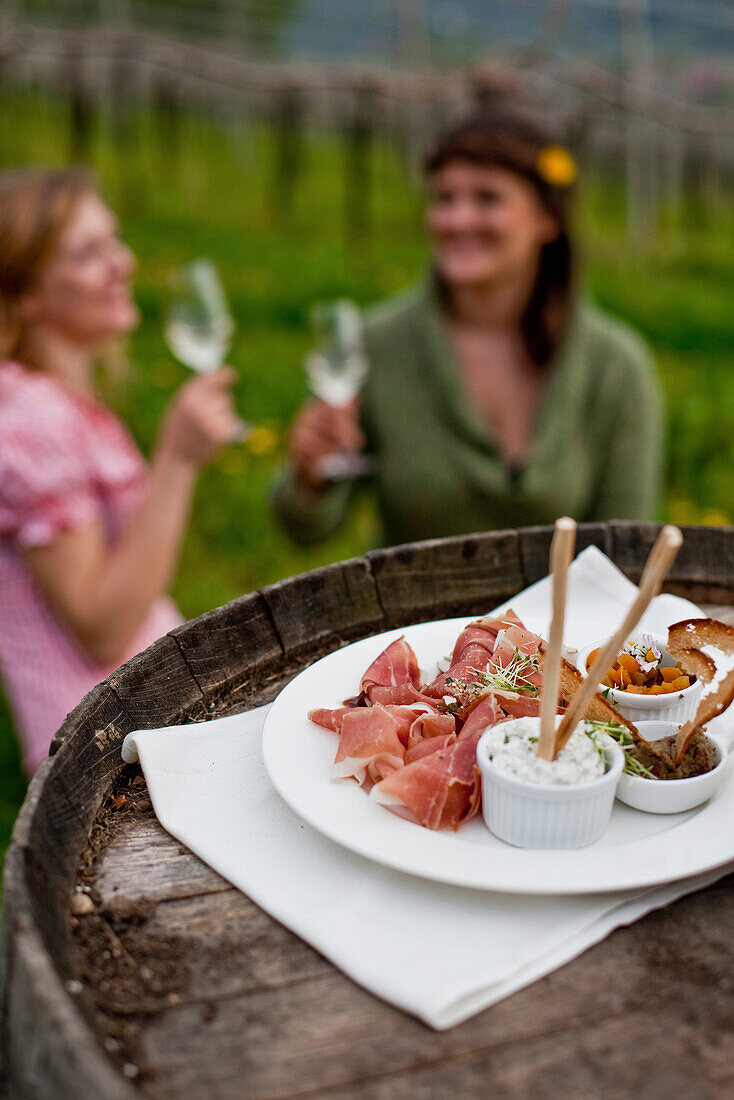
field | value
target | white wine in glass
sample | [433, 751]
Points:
[199, 326]
[336, 374]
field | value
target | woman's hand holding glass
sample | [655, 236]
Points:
[199, 327]
[200, 420]
[326, 442]
[322, 433]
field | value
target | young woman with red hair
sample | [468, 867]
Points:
[89, 534]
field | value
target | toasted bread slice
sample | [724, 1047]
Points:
[685, 640]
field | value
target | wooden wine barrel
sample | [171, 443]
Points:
[129, 967]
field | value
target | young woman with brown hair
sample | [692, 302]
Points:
[496, 395]
[89, 535]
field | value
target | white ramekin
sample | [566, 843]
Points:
[535, 815]
[673, 796]
[677, 707]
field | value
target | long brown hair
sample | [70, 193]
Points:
[508, 138]
[35, 206]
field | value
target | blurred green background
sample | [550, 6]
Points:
[215, 192]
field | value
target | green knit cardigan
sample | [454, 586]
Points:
[596, 455]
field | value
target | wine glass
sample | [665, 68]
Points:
[336, 374]
[198, 325]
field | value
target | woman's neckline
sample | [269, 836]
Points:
[502, 387]
[449, 376]
[90, 401]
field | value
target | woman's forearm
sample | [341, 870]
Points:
[104, 593]
[140, 567]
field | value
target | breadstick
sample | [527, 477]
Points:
[658, 563]
[561, 554]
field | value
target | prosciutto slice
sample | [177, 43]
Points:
[476, 649]
[430, 744]
[367, 735]
[476, 635]
[485, 714]
[520, 706]
[429, 725]
[329, 719]
[414, 746]
[380, 769]
[395, 666]
[482, 633]
[475, 659]
[513, 640]
[443, 789]
[402, 695]
[405, 716]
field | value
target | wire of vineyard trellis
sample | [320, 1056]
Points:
[605, 68]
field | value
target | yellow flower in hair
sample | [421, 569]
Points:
[556, 166]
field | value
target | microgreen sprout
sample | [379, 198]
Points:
[624, 739]
[512, 676]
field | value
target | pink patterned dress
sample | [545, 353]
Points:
[65, 462]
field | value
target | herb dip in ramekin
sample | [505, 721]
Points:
[534, 803]
[513, 749]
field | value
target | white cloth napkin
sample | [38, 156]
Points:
[440, 952]
[597, 597]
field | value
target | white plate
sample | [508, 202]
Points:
[637, 850]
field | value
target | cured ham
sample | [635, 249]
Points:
[476, 636]
[475, 659]
[381, 768]
[403, 695]
[414, 745]
[487, 713]
[430, 724]
[490, 644]
[519, 706]
[442, 789]
[472, 653]
[431, 744]
[395, 666]
[367, 736]
[483, 633]
[435, 794]
[329, 719]
[405, 717]
[513, 644]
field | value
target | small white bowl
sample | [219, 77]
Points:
[535, 815]
[672, 796]
[677, 706]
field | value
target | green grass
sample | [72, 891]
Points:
[211, 193]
